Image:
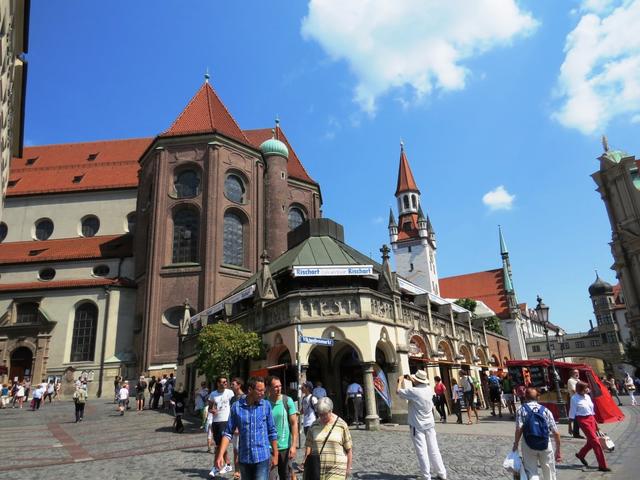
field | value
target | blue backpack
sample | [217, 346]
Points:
[535, 428]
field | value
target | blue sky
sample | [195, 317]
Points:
[507, 97]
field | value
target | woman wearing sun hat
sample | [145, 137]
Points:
[422, 423]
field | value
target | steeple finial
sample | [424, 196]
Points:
[385, 253]
[597, 276]
[401, 144]
[206, 75]
[605, 143]
[503, 245]
[277, 127]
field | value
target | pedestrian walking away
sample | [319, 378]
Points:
[535, 424]
[328, 438]
[219, 408]
[610, 382]
[456, 395]
[508, 393]
[178, 399]
[422, 423]
[79, 400]
[157, 394]
[116, 388]
[440, 398]
[19, 395]
[354, 400]
[583, 412]
[495, 392]
[574, 429]
[38, 393]
[123, 397]
[48, 392]
[258, 441]
[468, 390]
[309, 402]
[141, 386]
[285, 418]
[319, 391]
[630, 385]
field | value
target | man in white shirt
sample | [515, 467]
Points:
[531, 454]
[219, 408]
[571, 387]
[309, 402]
[422, 423]
[37, 397]
[123, 397]
[354, 396]
[319, 392]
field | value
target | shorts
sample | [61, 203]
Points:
[123, 403]
[140, 396]
[494, 395]
[468, 398]
[508, 397]
[218, 430]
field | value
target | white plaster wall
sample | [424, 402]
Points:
[623, 326]
[424, 274]
[68, 270]
[513, 332]
[66, 211]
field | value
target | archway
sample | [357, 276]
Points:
[21, 363]
[348, 366]
[482, 358]
[445, 348]
[418, 353]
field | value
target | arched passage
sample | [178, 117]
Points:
[21, 363]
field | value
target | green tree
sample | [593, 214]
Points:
[493, 324]
[222, 345]
[468, 303]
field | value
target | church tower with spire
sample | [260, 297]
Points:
[412, 238]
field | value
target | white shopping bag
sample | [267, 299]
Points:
[512, 463]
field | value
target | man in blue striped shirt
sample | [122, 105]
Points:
[258, 441]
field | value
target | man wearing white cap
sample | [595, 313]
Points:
[422, 423]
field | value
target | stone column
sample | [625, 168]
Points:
[372, 420]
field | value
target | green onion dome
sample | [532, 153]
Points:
[274, 147]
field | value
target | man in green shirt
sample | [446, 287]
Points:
[285, 417]
[508, 394]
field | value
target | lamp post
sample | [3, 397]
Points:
[543, 316]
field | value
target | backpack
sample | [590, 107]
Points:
[535, 428]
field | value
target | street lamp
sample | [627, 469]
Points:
[542, 312]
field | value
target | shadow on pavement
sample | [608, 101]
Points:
[382, 476]
[194, 472]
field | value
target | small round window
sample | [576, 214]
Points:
[3, 231]
[101, 270]
[90, 226]
[44, 229]
[234, 188]
[47, 274]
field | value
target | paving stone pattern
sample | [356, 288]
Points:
[143, 445]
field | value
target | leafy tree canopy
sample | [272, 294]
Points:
[221, 345]
[468, 303]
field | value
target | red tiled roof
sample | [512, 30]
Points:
[205, 113]
[487, 287]
[89, 282]
[53, 168]
[406, 182]
[294, 166]
[81, 248]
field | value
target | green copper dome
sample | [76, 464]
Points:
[274, 147]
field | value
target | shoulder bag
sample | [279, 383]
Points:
[312, 463]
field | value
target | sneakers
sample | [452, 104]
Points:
[226, 469]
[214, 472]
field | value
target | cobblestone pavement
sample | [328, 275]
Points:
[142, 445]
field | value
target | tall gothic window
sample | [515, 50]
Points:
[186, 228]
[234, 189]
[27, 312]
[233, 244]
[85, 325]
[187, 183]
[405, 201]
[296, 217]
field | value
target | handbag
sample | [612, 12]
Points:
[312, 462]
[605, 441]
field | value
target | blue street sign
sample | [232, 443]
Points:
[327, 342]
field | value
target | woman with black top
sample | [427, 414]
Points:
[178, 399]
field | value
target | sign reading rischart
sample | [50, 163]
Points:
[333, 271]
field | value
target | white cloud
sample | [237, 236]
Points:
[600, 77]
[417, 43]
[498, 199]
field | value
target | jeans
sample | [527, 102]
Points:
[441, 405]
[255, 471]
[79, 411]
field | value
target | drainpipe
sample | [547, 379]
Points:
[107, 292]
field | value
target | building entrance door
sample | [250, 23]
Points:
[21, 363]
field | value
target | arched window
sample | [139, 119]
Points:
[187, 183]
[233, 244]
[44, 229]
[414, 201]
[186, 229]
[234, 189]
[173, 316]
[405, 199]
[47, 274]
[296, 217]
[90, 226]
[131, 222]
[85, 325]
[3, 231]
[27, 312]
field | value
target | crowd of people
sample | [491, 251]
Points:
[16, 394]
